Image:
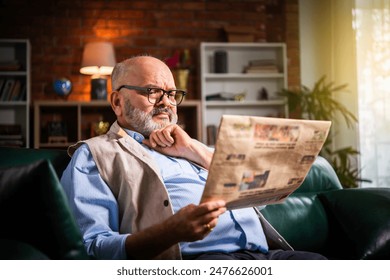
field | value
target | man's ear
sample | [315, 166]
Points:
[116, 100]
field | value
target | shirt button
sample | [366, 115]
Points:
[166, 203]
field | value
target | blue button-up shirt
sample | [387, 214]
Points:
[95, 207]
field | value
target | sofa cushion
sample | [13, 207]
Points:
[301, 220]
[369, 236]
[11, 157]
[34, 210]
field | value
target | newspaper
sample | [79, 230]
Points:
[261, 160]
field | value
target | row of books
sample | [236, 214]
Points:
[12, 90]
[10, 65]
[261, 66]
[211, 131]
[11, 135]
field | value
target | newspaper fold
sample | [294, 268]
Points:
[261, 160]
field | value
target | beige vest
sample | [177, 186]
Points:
[134, 179]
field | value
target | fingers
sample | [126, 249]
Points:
[217, 207]
[209, 213]
[208, 227]
[162, 137]
[196, 222]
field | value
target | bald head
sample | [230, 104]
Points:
[142, 71]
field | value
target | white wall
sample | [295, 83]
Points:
[327, 48]
[315, 36]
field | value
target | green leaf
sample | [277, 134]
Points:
[319, 103]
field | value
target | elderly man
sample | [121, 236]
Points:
[135, 191]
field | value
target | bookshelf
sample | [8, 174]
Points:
[60, 124]
[14, 92]
[246, 84]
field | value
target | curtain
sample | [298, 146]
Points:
[371, 22]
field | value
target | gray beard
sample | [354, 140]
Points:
[143, 123]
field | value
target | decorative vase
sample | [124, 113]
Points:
[181, 78]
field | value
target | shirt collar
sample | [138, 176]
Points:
[135, 135]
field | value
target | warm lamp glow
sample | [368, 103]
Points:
[98, 59]
[95, 70]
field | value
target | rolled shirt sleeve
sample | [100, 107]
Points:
[94, 207]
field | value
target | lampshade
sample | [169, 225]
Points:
[98, 59]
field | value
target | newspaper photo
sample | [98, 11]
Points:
[261, 160]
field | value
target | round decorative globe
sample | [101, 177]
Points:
[62, 86]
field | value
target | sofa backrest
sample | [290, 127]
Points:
[10, 157]
[301, 219]
[321, 177]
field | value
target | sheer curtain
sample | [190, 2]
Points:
[371, 23]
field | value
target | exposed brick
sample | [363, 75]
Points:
[58, 30]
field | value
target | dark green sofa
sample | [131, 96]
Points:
[320, 216]
[35, 220]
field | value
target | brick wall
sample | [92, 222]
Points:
[58, 30]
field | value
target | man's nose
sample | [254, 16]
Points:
[164, 100]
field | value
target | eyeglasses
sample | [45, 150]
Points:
[155, 95]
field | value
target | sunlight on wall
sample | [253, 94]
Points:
[372, 28]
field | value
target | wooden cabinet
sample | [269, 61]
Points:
[59, 124]
[241, 79]
[190, 118]
[14, 92]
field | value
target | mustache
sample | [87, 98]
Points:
[159, 110]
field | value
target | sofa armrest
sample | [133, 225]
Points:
[361, 218]
[13, 157]
[34, 211]
[17, 250]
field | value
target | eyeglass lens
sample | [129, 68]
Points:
[175, 97]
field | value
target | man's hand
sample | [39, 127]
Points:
[191, 223]
[194, 222]
[172, 140]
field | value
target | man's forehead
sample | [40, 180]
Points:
[149, 74]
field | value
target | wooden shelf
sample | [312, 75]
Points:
[228, 103]
[15, 97]
[76, 119]
[242, 59]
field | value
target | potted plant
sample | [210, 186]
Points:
[180, 64]
[318, 103]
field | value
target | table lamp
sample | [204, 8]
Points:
[98, 61]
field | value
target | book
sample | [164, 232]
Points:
[211, 134]
[14, 95]
[10, 65]
[259, 70]
[11, 135]
[2, 81]
[262, 62]
[23, 93]
[7, 89]
[263, 66]
[10, 129]
[11, 143]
